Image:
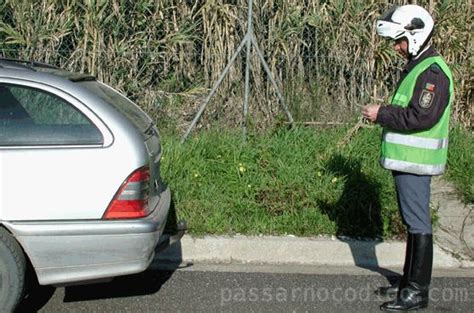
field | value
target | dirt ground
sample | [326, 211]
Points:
[455, 230]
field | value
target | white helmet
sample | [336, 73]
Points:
[409, 21]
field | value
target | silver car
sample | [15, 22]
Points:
[80, 191]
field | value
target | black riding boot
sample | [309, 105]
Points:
[414, 295]
[393, 289]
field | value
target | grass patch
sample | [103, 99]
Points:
[291, 182]
[461, 162]
[283, 182]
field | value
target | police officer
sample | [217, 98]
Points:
[414, 143]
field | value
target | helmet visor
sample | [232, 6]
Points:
[389, 29]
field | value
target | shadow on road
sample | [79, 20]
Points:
[145, 283]
[36, 295]
[357, 213]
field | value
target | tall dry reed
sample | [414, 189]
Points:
[166, 54]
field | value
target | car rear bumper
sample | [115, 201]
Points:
[75, 251]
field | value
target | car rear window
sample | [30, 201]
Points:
[139, 119]
[30, 116]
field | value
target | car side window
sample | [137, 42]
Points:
[30, 116]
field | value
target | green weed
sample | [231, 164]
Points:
[293, 182]
[281, 182]
[461, 162]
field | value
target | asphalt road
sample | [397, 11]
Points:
[245, 289]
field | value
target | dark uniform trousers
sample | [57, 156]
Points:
[413, 195]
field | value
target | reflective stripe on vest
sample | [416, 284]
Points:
[414, 168]
[415, 141]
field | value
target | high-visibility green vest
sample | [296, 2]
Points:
[418, 152]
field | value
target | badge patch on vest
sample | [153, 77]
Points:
[426, 99]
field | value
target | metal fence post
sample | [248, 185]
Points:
[247, 71]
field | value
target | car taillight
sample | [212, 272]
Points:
[131, 201]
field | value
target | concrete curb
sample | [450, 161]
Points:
[296, 250]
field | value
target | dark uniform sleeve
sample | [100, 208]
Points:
[430, 99]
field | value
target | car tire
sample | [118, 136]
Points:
[12, 272]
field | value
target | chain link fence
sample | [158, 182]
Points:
[166, 54]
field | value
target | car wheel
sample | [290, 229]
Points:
[12, 272]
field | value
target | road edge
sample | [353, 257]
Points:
[297, 250]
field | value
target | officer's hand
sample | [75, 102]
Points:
[370, 112]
